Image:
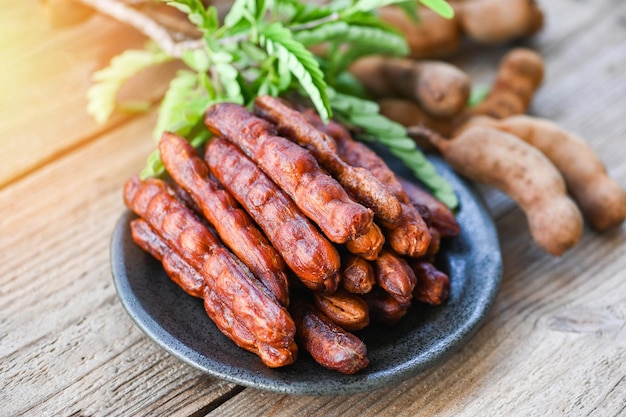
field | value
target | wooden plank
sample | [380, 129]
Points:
[39, 66]
[66, 343]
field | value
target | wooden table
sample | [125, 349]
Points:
[553, 344]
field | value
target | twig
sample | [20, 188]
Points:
[144, 24]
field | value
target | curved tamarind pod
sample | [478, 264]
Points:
[506, 162]
[432, 285]
[294, 169]
[347, 310]
[383, 307]
[358, 182]
[432, 37]
[601, 198]
[330, 345]
[223, 273]
[395, 276]
[411, 236]
[312, 258]
[189, 279]
[369, 244]
[192, 281]
[441, 217]
[357, 275]
[226, 320]
[440, 88]
[232, 223]
[519, 75]
[496, 21]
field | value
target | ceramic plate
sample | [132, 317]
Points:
[424, 338]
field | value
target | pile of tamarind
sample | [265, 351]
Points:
[554, 176]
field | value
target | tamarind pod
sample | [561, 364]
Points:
[519, 75]
[357, 275]
[601, 198]
[395, 276]
[228, 322]
[496, 21]
[432, 37]
[369, 244]
[311, 257]
[234, 226]
[293, 169]
[408, 113]
[411, 236]
[192, 281]
[383, 307]
[356, 153]
[347, 310]
[440, 88]
[330, 345]
[506, 162]
[432, 285]
[441, 217]
[358, 182]
[176, 268]
[223, 273]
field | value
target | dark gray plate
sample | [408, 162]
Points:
[424, 338]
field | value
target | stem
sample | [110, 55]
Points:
[145, 25]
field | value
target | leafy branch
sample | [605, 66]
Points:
[264, 47]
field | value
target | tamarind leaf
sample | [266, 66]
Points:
[381, 39]
[203, 18]
[278, 41]
[183, 105]
[102, 95]
[441, 7]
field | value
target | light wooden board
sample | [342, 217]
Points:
[554, 343]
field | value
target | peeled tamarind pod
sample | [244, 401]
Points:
[358, 182]
[441, 217]
[330, 345]
[232, 223]
[432, 37]
[502, 160]
[519, 75]
[411, 236]
[497, 21]
[440, 88]
[383, 307]
[601, 198]
[432, 285]
[223, 272]
[357, 275]
[369, 244]
[395, 276]
[347, 310]
[311, 257]
[189, 279]
[320, 197]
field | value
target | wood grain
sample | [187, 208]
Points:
[554, 343]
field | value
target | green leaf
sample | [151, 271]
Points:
[205, 19]
[278, 41]
[183, 106]
[477, 95]
[102, 95]
[441, 7]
